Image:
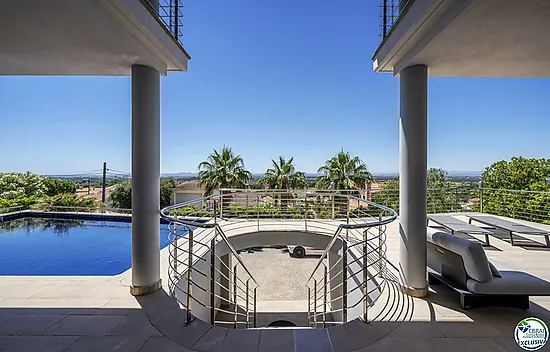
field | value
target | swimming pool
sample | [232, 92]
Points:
[33, 246]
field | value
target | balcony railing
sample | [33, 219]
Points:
[515, 204]
[169, 13]
[390, 13]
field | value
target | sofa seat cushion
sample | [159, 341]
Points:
[472, 253]
[511, 283]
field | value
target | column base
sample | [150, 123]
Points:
[415, 292]
[145, 290]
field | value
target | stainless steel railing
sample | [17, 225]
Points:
[390, 12]
[343, 287]
[200, 277]
[169, 13]
[205, 282]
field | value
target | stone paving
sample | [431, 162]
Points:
[99, 314]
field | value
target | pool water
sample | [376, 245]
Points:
[32, 246]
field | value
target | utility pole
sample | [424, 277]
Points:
[88, 186]
[103, 183]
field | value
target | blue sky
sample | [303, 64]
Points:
[271, 78]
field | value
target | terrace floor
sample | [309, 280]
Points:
[99, 314]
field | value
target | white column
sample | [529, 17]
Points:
[145, 180]
[413, 113]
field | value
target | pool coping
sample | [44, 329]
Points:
[69, 216]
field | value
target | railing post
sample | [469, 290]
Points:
[255, 288]
[176, 19]
[344, 282]
[235, 306]
[212, 280]
[481, 196]
[305, 213]
[325, 282]
[347, 219]
[215, 211]
[308, 305]
[332, 196]
[384, 18]
[314, 303]
[247, 307]
[190, 278]
[175, 251]
[380, 247]
[365, 275]
[258, 216]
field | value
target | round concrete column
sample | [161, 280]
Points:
[413, 113]
[145, 180]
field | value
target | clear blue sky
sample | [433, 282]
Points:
[271, 78]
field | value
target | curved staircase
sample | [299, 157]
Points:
[354, 296]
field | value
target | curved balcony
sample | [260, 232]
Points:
[211, 282]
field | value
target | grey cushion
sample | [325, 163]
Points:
[511, 283]
[472, 253]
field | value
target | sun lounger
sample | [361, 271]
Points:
[455, 225]
[510, 227]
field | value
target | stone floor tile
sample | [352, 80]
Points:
[307, 340]
[475, 329]
[135, 326]
[158, 344]
[107, 344]
[27, 324]
[465, 344]
[61, 292]
[35, 343]
[242, 340]
[86, 325]
[272, 340]
[353, 336]
[417, 330]
[173, 327]
[212, 340]
[400, 344]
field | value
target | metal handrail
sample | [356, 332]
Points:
[194, 257]
[368, 256]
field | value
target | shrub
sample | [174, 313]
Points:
[14, 185]
[55, 186]
[67, 200]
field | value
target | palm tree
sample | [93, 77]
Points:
[283, 175]
[223, 170]
[343, 172]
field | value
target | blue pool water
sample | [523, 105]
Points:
[32, 246]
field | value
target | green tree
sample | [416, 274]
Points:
[517, 174]
[223, 170]
[440, 197]
[344, 172]
[437, 178]
[121, 196]
[167, 184]
[283, 175]
[55, 186]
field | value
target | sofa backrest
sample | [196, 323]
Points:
[474, 259]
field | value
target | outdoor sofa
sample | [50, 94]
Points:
[463, 265]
